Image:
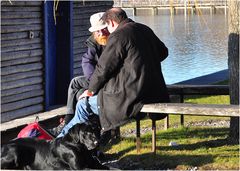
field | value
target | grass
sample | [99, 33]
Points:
[201, 148]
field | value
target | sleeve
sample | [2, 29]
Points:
[89, 62]
[109, 63]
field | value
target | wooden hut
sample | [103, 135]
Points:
[38, 56]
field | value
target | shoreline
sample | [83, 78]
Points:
[208, 79]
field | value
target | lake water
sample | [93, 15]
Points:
[197, 44]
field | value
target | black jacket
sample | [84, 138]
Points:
[128, 73]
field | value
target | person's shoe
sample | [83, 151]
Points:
[105, 137]
[56, 131]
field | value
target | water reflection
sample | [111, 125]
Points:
[197, 45]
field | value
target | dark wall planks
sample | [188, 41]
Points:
[22, 68]
[81, 15]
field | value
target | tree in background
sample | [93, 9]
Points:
[233, 64]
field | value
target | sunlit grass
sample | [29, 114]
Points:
[221, 99]
[204, 148]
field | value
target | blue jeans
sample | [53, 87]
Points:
[81, 114]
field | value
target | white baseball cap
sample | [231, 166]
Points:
[96, 22]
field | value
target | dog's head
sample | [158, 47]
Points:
[84, 133]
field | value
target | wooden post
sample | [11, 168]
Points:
[193, 9]
[134, 11]
[212, 10]
[155, 11]
[185, 8]
[172, 10]
[138, 140]
[182, 117]
[166, 123]
[225, 8]
[154, 136]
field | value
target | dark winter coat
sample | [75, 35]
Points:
[90, 58]
[128, 73]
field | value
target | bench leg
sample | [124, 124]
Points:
[154, 136]
[181, 116]
[166, 122]
[138, 140]
[182, 120]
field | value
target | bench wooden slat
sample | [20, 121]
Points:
[192, 109]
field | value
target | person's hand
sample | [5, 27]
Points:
[86, 93]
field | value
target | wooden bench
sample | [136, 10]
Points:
[181, 91]
[186, 109]
[186, 90]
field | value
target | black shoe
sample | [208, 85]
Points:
[68, 118]
[56, 131]
[105, 138]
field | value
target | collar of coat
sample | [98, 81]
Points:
[124, 22]
[92, 43]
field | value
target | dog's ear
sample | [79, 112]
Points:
[94, 121]
[81, 130]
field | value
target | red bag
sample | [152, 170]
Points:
[34, 130]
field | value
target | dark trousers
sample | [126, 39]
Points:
[76, 87]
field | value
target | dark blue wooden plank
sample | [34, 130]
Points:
[50, 54]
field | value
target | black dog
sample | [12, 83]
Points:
[70, 152]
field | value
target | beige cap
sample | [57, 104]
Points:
[96, 22]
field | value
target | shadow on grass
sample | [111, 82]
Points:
[195, 146]
[183, 133]
[162, 162]
[114, 156]
[114, 141]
